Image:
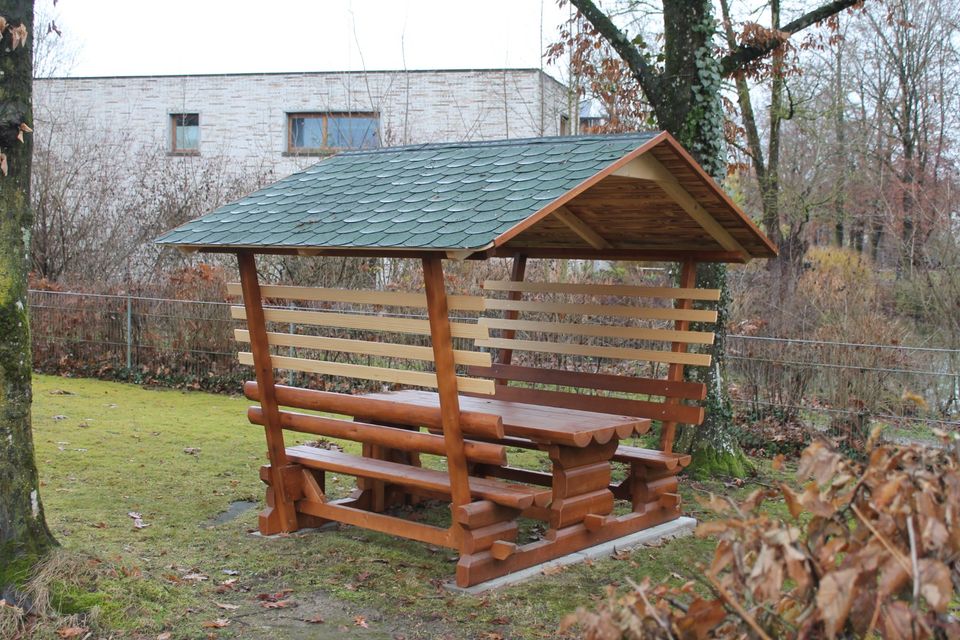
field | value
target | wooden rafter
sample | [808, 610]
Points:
[581, 228]
[646, 167]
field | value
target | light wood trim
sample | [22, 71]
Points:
[648, 313]
[354, 321]
[388, 349]
[620, 353]
[600, 331]
[382, 374]
[646, 167]
[581, 228]
[664, 293]
[360, 296]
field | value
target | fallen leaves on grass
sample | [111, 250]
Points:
[71, 632]
[360, 621]
[138, 522]
[317, 619]
[227, 606]
[871, 551]
[278, 604]
[219, 623]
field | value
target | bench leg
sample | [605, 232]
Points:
[581, 479]
[299, 483]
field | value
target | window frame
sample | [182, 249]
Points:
[324, 116]
[174, 150]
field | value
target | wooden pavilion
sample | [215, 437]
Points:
[636, 197]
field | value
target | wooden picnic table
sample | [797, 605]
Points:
[580, 444]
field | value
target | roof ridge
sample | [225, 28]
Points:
[504, 142]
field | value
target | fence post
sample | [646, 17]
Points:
[129, 334]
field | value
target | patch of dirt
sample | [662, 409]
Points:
[320, 616]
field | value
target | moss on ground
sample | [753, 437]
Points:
[179, 459]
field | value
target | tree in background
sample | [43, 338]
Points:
[23, 530]
[681, 81]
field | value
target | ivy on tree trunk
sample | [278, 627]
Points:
[23, 529]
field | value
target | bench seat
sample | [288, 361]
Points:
[651, 457]
[508, 495]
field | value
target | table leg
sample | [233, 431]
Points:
[581, 479]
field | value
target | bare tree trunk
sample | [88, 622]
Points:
[23, 530]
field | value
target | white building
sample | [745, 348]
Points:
[285, 121]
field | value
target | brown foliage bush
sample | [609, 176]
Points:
[869, 551]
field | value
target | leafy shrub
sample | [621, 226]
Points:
[871, 551]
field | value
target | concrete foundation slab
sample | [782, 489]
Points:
[680, 527]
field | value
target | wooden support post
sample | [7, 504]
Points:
[688, 279]
[442, 343]
[516, 275]
[283, 517]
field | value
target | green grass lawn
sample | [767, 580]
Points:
[179, 459]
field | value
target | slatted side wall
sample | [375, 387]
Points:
[308, 330]
[604, 328]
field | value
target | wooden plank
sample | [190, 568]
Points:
[378, 522]
[508, 495]
[371, 322]
[590, 289]
[604, 381]
[486, 425]
[600, 331]
[603, 404]
[389, 437]
[386, 349]
[581, 228]
[596, 351]
[504, 356]
[648, 313]
[360, 296]
[287, 514]
[651, 457]
[447, 382]
[364, 372]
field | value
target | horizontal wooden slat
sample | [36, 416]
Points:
[596, 351]
[391, 437]
[584, 380]
[681, 413]
[388, 349]
[516, 496]
[667, 293]
[364, 372]
[649, 313]
[378, 522]
[354, 321]
[652, 457]
[602, 331]
[360, 296]
[473, 423]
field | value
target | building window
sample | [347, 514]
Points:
[322, 132]
[185, 133]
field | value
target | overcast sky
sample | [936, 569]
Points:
[127, 37]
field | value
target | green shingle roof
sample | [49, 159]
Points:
[435, 196]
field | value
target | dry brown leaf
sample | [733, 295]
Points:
[166, 635]
[317, 619]
[71, 632]
[360, 621]
[792, 500]
[18, 36]
[935, 584]
[278, 604]
[701, 618]
[219, 623]
[834, 599]
[227, 606]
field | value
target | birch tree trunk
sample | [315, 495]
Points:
[23, 530]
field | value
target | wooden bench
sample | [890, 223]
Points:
[651, 482]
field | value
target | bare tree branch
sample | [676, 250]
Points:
[736, 60]
[646, 75]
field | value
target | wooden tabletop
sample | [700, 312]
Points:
[547, 425]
